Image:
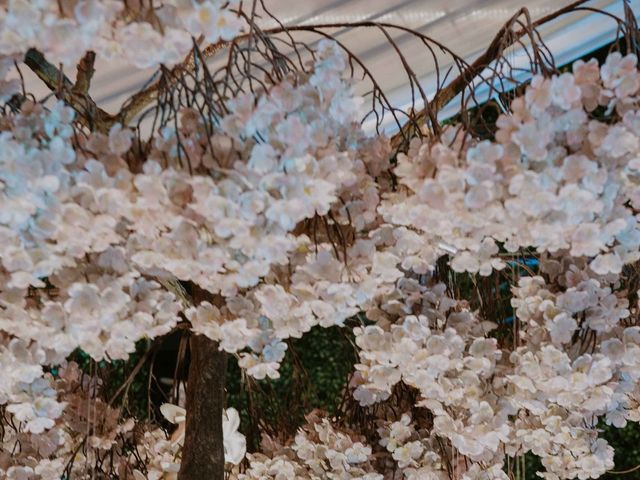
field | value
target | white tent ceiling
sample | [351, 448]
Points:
[465, 26]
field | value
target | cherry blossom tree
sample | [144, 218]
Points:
[488, 274]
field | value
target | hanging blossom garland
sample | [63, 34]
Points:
[311, 176]
[486, 401]
[90, 245]
[64, 286]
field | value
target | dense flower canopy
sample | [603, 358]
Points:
[292, 217]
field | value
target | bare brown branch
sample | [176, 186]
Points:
[89, 114]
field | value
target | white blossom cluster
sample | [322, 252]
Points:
[319, 451]
[58, 224]
[226, 230]
[446, 355]
[555, 179]
[142, 34]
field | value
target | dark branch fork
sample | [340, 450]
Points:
[75, 95]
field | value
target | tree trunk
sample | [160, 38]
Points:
[203, 450]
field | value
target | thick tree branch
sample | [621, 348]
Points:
[76, 96]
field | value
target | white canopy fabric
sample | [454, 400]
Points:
[464, 26]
